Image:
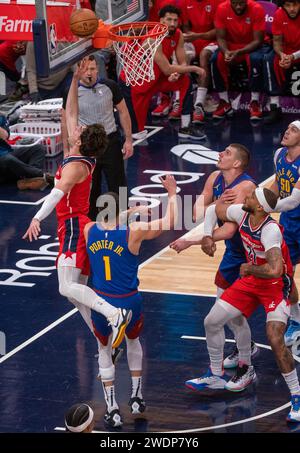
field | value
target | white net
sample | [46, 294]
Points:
[136, 55]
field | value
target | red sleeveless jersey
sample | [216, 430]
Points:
[76, 202]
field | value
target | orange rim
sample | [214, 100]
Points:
[115, 30]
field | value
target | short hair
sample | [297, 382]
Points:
[270, 197]
[109, 206]
[77, 415]
[93, 141]
[282, 2]
[243, 154]
[168, 9]
[91, 58]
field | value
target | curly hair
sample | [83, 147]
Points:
[93, 141]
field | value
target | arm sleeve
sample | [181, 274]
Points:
[288, 203]
[114, 87]
[210, 220]
[235, 213]
[49, 204]
[271, 236]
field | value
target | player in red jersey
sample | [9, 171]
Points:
[240, 27]
[198, 24]
[70, 197]
[279, 63]
[156, 5]
[266, 279]
[168, 78]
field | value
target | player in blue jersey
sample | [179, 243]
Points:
[232, 184]
[287, 187]
[113, 250]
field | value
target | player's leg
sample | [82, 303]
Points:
[112, 416]
[220, 74]
[275, 327]
[255, 68]
[273, 78]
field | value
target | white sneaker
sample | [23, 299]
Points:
[244, 376]
[140, 135]
[232, 360]
[118, 324]
[207, 381]
[294, 414]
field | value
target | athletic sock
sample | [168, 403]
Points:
[201, 95]
[185, 120]
[295, 312]
[274, 100]
[136, 387]
[292, 382]
[224, 96]
[109, 395]
[254, 96]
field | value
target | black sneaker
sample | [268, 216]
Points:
[274, 115]
[19, 92]
[113, 419]
[137, 405]
[191, 132]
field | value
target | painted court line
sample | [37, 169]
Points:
[72, 312]
[179, 293]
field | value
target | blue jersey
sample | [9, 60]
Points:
[114, 267]
[287, 175]
[234, 244]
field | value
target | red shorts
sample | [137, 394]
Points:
[247, 293]
[72, 246]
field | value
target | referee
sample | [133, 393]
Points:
[97, 98]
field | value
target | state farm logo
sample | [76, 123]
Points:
[269, 18]
[196, 154]
[16, 26]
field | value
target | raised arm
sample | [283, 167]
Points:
[72, 108]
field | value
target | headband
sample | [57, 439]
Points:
[296, 124]
[84, 425]
[259, 192]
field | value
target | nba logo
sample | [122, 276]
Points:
[208, 8]
[248, 20]
[53, 39]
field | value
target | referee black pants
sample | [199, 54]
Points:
[112, 165]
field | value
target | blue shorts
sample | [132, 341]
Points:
[291, 235]
[101, 328]
[229, 269]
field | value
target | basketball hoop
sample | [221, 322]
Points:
[135, 44]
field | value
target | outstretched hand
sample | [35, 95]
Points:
[169, 183]
[81, 68]
[33, 231]
[208, 246]
[179, 245]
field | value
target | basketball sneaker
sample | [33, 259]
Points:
[137, 405]
[232, 360]
[140, 135]
[113, 419]
[163, 108]
[255, 111]
[175, 114]
[244, 376]
[294, 414]
[292, 333]
[224, 109]
[191, 133]
[118, 323]
[198, 115]
[116, 354]
[207, 381]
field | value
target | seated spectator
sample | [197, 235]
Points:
[286, 44]
[54, 86]
[10, 51]
[80, 419]
[198, 25]
[240, 27]
[24, 164]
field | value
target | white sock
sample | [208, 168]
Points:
[274, 100]
[104, 308]
[224, 96]
[201, 95]
[295, 312]
[254, 96]
[109, 395]
[292, 382]
[177, 96]
[185, 120]
[136, 387]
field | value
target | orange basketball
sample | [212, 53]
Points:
[83, 22]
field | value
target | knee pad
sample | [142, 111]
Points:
[107, 374]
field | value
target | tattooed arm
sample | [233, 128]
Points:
[272, 269]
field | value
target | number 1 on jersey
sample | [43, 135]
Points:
[107, 268]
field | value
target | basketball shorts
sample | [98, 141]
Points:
[247, 293]
[229, 269]
[72, 246]
[291, 235]
[101, 328]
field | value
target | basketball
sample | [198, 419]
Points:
[83, 22]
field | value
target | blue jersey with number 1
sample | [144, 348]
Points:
[114, 267]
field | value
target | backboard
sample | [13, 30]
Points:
[56, 47]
